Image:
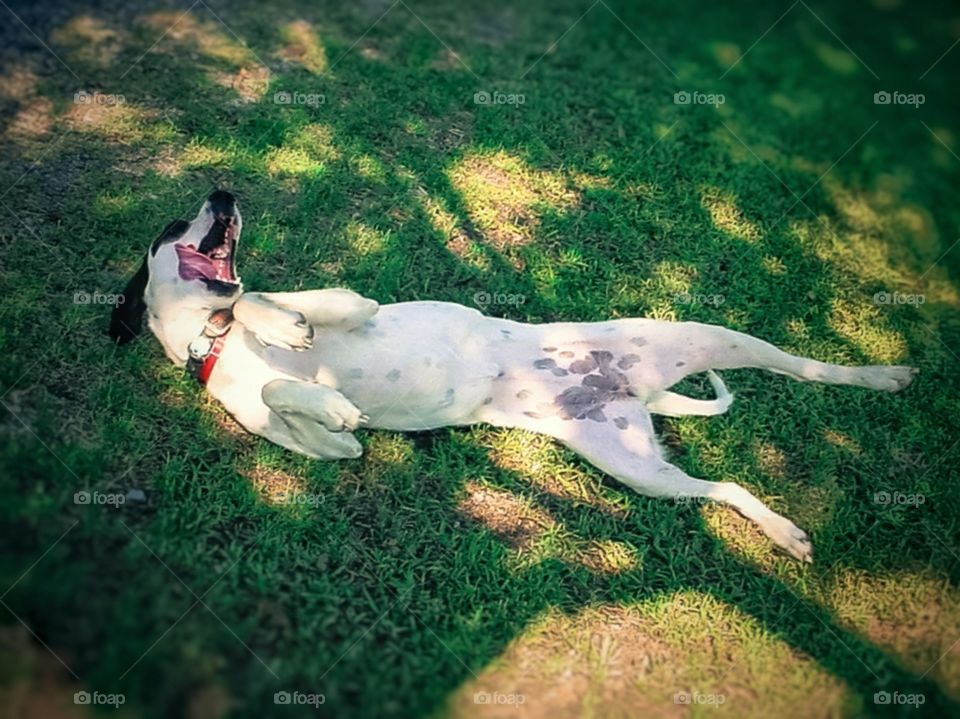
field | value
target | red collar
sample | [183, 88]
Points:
[210, 361]
[215, 331]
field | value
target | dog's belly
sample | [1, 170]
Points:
[415, 365]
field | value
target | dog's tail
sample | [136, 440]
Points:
[676, 405]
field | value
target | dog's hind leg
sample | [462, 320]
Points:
[690, 347]
[623, 445]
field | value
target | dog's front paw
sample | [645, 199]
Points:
[289, 330]
[886, 378]
[339, 414]
[789, 537]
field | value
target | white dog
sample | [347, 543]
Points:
[306, 369]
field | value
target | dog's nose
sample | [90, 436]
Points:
[222, 204]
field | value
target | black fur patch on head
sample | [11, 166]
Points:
[171, 233]
[222, 203]
[127, 318]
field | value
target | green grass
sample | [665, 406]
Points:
[388, 589]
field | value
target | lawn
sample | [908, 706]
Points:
[533, 160]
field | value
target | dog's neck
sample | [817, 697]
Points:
[177, 318]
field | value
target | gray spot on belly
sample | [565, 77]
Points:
[550, 364]
[507, 334]
[621, 422]
[628, 361]
[393, 375]
[523, 394]
[448, 397]
[595, 391]
[577, 402]
[549, 349]
[638, 341]
[355, 373]
[427, 361]
[488, 400]
[583, 366]
[681, 364]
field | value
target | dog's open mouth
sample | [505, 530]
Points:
[214, 259]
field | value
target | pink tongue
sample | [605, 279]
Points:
[193, 265]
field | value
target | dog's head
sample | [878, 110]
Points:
[189, 271]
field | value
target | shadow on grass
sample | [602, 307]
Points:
[405, 598]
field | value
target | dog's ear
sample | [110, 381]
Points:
[127, 318]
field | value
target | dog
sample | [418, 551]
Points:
[307, 369]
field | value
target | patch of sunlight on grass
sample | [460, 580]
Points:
[415, 126]
[121, 122]
[726, 216]
[207, 37]
[770, 458]
[108, 205]
[250, 82]
[196, 154]
[604, 556]
[838, 439]
[293, 161]
[774, 265]
[369, 168]
[18, 83]
[840, 61]
[88, 39]
[506, 198]
[315, 138]
[798, 328]
[667, 283]
[586, 181]
[513, 519]
[389, 447]
[302, 47]
[859, 322]
[451, 229]
[282, 490]
[33, 119]
[363, 239]
[915, 616]
[539, 461]
[612, 660]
